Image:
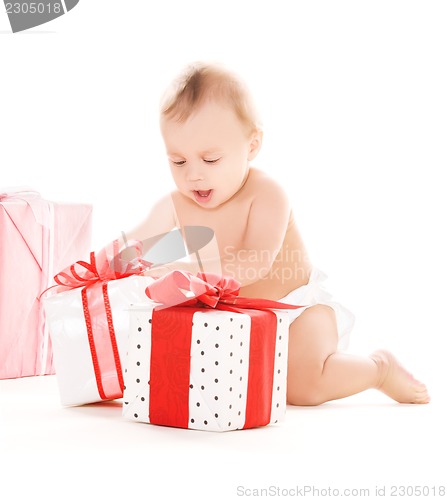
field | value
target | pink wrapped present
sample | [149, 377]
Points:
[37, 239]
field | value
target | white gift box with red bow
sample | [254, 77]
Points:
[88, 321]
[199, 367]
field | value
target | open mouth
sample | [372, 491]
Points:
[203, 196]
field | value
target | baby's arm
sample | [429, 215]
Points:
[157, 223]
[165, 249]
[264, 234]
[160, 220]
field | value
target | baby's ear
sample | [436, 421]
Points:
[255, 144]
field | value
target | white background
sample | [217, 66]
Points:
[353, 99]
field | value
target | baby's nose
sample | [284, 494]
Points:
[195, 173]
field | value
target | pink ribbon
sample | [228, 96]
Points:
[32, 198]
[206, 289]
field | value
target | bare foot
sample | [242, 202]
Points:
[396, 382]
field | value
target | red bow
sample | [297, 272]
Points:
[106, 266]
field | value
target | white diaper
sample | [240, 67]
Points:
[314, 293]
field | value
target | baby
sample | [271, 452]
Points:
[212, 134]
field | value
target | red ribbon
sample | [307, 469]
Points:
[170, 366]
[108, 265]
[94, 276]
[171, 344]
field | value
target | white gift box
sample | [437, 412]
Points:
[215, 391]
[73, 358]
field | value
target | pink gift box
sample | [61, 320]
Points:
[38, 238]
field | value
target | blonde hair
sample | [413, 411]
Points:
[200, 82]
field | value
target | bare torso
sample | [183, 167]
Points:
[287, 270]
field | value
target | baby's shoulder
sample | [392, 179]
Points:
[263, 184]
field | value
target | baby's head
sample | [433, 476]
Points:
[209, 82]
[211, 131]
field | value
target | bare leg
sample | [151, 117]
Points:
[318, 373]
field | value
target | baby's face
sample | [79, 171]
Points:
[209, 154]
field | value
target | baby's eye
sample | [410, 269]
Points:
[212, 161]
[179, 163]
